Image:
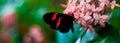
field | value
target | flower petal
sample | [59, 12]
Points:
[101, 22]
[63, 5]
[104, 17]
[87, 17]
[91, 28]
[79, 20]
[96, 16]
[95, 22]
[84, 24]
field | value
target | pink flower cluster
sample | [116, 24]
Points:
[89, 12]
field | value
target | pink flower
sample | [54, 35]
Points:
[63, 5]
[87, 12]
[84, 24]
[87, 17]
[9, 20]
[113, 4]
[36, 33]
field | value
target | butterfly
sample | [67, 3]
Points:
[59, 21]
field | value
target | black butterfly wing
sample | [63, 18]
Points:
[66, 23]
[48, 19]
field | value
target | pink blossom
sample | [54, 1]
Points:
[63, 5]
[87, 17]
[89, 14]
[91, 27]
[9, 20]
[101, 22]
[113, 4]
[36, 33]
[96, 16]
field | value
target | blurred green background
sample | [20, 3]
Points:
[30, 12]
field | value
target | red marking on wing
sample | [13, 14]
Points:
[58, 23]
[54, 17]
